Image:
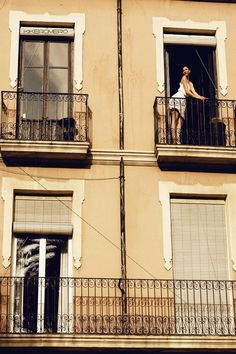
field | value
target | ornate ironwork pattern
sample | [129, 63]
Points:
[44, 116]
[94, 306]
[212, 123]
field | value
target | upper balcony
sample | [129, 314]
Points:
[44, 128]
[206, 140]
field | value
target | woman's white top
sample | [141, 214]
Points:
[178, 100]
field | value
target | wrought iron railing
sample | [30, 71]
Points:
[212, 123]
[44, 116]
[95, 306]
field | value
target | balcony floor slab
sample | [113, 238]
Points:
[172, 343]
[21, 152]
[196, 158]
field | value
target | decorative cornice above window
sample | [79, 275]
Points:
[76, 19]
[218, 28]
[9, 185]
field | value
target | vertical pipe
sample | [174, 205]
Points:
[120, 72]
[122, 219]
[122, 173]
[123, 283]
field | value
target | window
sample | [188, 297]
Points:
[197, 127]
[196, 212]
[199, 239]
[202, 45]
[44, 48]
[45, 67]
[165, 30]
[203, 300]
[42, 229]
[75, 20]
[71, 187]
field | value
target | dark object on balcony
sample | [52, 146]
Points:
[218, 132]
[68, 128]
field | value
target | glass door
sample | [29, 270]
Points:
[196, 129]
[40, 262]
[44, 84]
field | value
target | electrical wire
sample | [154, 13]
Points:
[92, 227]
[207, 72]
[173, 292]
[63, 178]
[3, 4]
[102, 235]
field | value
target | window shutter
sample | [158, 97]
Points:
[43, 215]
[199, 239]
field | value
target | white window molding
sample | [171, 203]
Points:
[77, 19]
[168, 189]
[9, 185]
[218, 28]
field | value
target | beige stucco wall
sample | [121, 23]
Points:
[101, 206]
[144, 215]
[139, 59]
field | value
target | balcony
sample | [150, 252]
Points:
[44, 128]
[88, 306]
[207, 140]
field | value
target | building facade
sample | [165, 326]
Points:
[118, 225]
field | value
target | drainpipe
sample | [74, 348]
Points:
[122, 283]
[120, 72]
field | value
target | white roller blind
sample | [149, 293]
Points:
[43, 215]
[199, 239]
[189, 39]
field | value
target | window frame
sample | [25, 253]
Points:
[161, 25]
[45, 40]
[18, 18]
[224, 191]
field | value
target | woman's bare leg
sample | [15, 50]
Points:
[175, 118]
[178, 130]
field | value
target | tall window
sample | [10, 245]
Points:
[45, 68]
[202, 293]
[42, 229]
[201, 61]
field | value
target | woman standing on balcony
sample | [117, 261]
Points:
[177, 105]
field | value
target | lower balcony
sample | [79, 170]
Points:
[44, 127]
[205, 138]
[87, 306]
